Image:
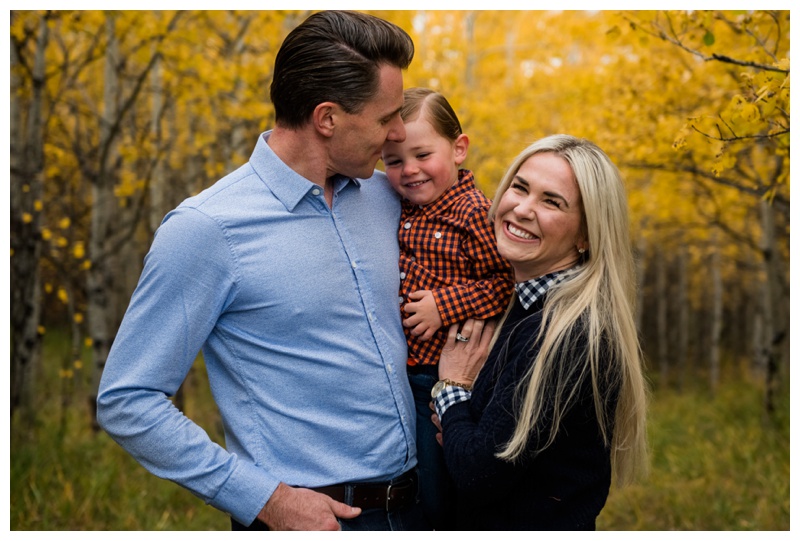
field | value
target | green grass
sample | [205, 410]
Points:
[715, 465]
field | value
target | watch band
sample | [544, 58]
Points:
[442, 383]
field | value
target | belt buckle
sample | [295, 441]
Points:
[393, 485]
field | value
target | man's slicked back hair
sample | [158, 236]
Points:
[334, 56]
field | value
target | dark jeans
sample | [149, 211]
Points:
[409, 518]
[436, 489]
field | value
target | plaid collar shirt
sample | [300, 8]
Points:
[449, 248]
[532, 290]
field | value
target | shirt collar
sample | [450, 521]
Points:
[532, 290]
[286, 184]
[465, 183]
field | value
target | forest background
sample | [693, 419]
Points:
[117, 116]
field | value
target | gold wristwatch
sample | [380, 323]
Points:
[442, 383]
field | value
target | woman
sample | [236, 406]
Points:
[560, 403]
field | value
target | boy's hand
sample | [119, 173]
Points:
[424, 318]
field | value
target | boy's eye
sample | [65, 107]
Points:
[422, 155]
[391, 163]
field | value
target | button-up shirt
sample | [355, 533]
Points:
[294, 305]
[448, 247]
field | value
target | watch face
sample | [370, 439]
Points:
[437, 388]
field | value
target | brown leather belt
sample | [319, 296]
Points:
[390, 496]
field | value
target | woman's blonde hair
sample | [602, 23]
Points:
[597, 299]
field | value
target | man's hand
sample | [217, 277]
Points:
[425, 318]
[302, 509]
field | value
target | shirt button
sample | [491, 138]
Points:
[315, 191]
[402, 276]
[399, 300]
[407, 225]
[353, 264]
[438, 235]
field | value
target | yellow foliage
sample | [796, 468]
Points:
[669, 118]
[62, 295]
[78, 250]
[78, 318]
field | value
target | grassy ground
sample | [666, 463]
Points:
[715, 466]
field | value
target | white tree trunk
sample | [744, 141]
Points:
[774, 328]
[662, 323]
[641, 269]
[100, 277]
[682, 298]
[158, 181]
[716, 317]
[27, 187]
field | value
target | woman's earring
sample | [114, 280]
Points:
[581, 250]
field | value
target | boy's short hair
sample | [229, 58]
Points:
[436, 109]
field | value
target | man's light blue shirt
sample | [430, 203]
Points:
[295, 306]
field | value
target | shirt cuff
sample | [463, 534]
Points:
[450, 396]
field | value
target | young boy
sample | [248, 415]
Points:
[449, 266]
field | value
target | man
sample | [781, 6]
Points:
[285, 273]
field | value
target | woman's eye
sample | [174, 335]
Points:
[553, 202]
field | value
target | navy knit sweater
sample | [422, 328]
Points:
[563, 487]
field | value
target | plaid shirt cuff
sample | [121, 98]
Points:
[450, 396]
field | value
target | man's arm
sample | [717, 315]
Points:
[186, 284]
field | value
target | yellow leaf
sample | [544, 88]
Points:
[37, 206]
[88, 342]
[62, 295]
[46, 234]
[40, 329]
[78, 317]
[64, 223]
[26, 217]
[78, 250]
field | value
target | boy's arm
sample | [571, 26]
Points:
[488, 296]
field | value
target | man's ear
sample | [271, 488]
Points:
[324, 118]
[460, 147]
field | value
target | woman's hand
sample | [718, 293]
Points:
[461, 360]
